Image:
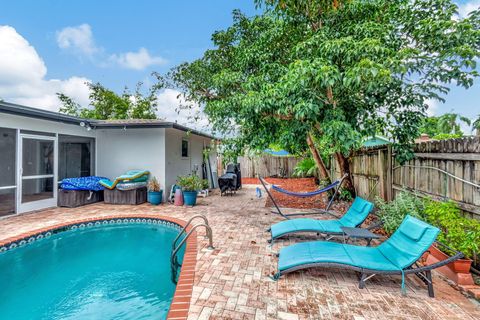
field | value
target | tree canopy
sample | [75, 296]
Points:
[105, 104]
[328, 73]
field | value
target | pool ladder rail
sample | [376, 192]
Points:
[175, 248]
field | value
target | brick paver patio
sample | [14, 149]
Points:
[231, 281]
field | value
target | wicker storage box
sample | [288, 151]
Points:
[133, 197]
[77, 198]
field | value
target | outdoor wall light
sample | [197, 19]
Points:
[85, 125]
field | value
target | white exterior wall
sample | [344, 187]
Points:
[175, 164]
[117, 151]
[121, 150]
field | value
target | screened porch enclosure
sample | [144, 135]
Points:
[33, 163]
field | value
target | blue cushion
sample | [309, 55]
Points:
[400, 251]
[357, 213]
[332, 252]
[409, 242]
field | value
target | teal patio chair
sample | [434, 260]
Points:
[354, 217]
[397, 255]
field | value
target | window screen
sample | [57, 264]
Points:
[76, 157]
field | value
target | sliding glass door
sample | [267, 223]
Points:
[37, 183]
[8, 147]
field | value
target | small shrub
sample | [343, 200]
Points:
[393, 213]
[457, 232]
[153, 185]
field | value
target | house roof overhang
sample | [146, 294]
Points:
[19, 110]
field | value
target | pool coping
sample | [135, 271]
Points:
[180, 304]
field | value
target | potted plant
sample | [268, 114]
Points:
[155, 194]
[204, 191]
[190, 184]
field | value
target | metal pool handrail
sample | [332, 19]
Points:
[209, 235]
[205, 221]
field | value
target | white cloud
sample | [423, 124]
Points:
[79, 39]
[23, 75]
[433, 105]
[465, 8]
[169, 108]
[136, 60]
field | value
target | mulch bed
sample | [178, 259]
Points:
[296, 185]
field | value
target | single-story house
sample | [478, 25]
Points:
[39, 148]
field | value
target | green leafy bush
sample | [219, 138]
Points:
[190, 182]
[457, 232]
[305, 168]
[393, 213]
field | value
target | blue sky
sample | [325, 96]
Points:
[57, 45]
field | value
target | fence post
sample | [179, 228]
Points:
[389, 169]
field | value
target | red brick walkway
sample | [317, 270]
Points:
[231, 282]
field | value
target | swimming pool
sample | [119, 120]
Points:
[116, 269]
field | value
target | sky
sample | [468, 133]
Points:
[54, 46]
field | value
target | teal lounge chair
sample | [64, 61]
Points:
[397, 255]
[355, 216]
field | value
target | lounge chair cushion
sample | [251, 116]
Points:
[400, 251]
[305, 225]
[412, 238]
[306, 253]
[132, 175]
[356, 214]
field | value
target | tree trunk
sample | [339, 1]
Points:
[344, 166]
[318, 159]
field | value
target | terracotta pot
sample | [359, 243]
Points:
[457, 271]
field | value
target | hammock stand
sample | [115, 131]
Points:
[335, 185]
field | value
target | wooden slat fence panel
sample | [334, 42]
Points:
[267, 165]
[376, 173]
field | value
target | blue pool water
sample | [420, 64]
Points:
[104, 272]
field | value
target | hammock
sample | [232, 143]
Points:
[306, 194]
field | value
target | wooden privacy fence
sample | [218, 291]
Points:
[267, 166]
[445, 169]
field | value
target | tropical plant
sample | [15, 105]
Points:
[393, 212]
[457, 232]
[332, 71]
[305, 168]
[190, 182]
[153, 185]
[107, 105]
